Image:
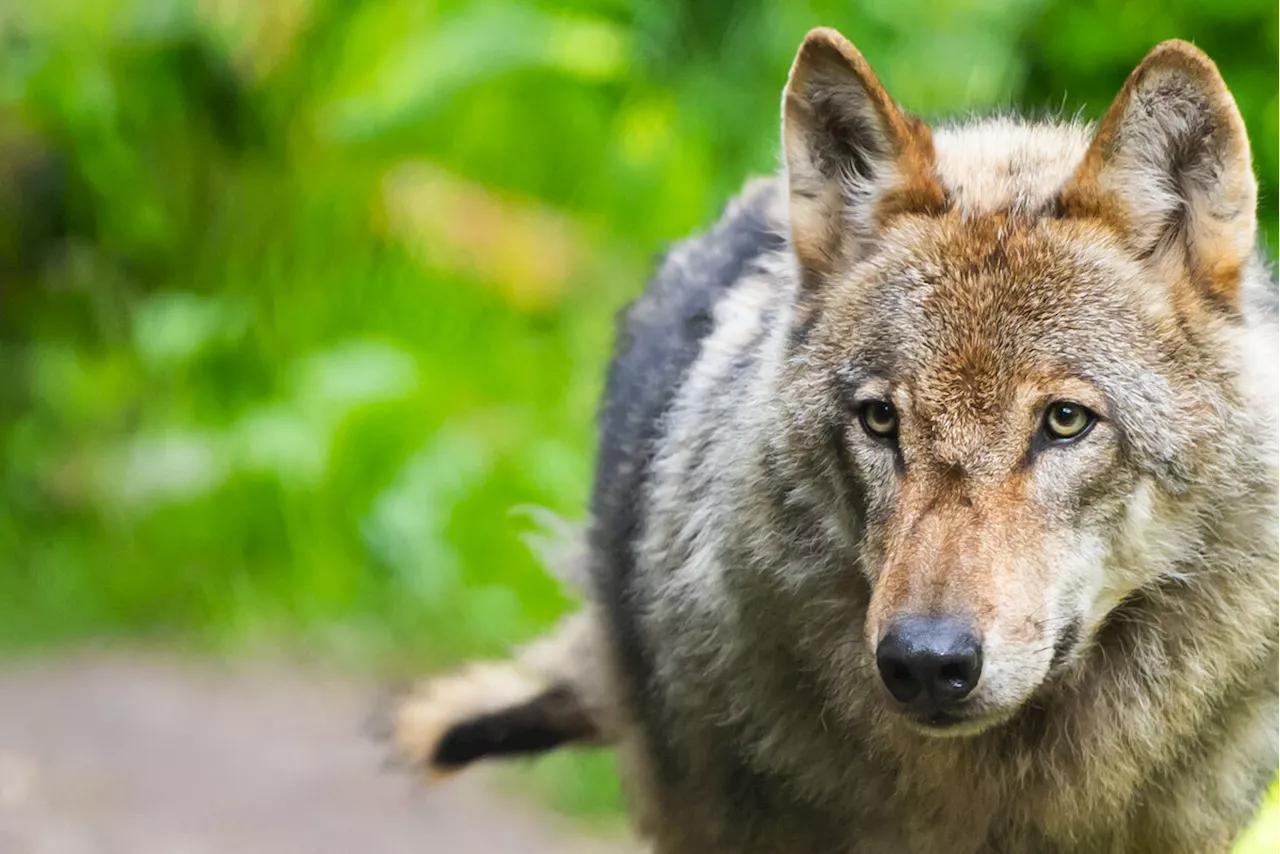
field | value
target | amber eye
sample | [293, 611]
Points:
[879, 418]
[1064, 420]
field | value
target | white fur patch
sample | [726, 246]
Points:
[1004, 163]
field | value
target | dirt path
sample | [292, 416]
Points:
[137, 755]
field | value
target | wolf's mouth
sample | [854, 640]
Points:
[951, 724]
[938, 720]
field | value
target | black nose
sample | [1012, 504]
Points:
[929, 661]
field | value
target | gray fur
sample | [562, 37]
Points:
[748, 539]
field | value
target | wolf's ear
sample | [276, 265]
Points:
[854, 159]
[1169, 168]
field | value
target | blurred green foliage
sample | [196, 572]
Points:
[300, 298]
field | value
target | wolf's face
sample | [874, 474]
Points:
[1006, 408]
[1005, 348]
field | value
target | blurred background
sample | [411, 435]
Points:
[300, 298]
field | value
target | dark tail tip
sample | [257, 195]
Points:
[552, 719]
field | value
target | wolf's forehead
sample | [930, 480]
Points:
[1004, 164]
[980, 308]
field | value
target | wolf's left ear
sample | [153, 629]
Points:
[854, 159]
[1170, 169]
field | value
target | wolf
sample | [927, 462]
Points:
[936, 497]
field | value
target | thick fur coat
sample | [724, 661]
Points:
[843, 407]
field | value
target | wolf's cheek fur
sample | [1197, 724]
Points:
[1087, 491]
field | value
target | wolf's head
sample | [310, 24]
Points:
[1014, 346]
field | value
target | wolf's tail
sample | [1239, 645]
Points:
[548, 695]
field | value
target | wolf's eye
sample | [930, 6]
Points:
[1064, 421]
[879, 418]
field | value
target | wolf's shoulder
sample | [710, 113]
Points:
[674, 312]
[659, 334]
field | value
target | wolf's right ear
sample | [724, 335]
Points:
[854, 159]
